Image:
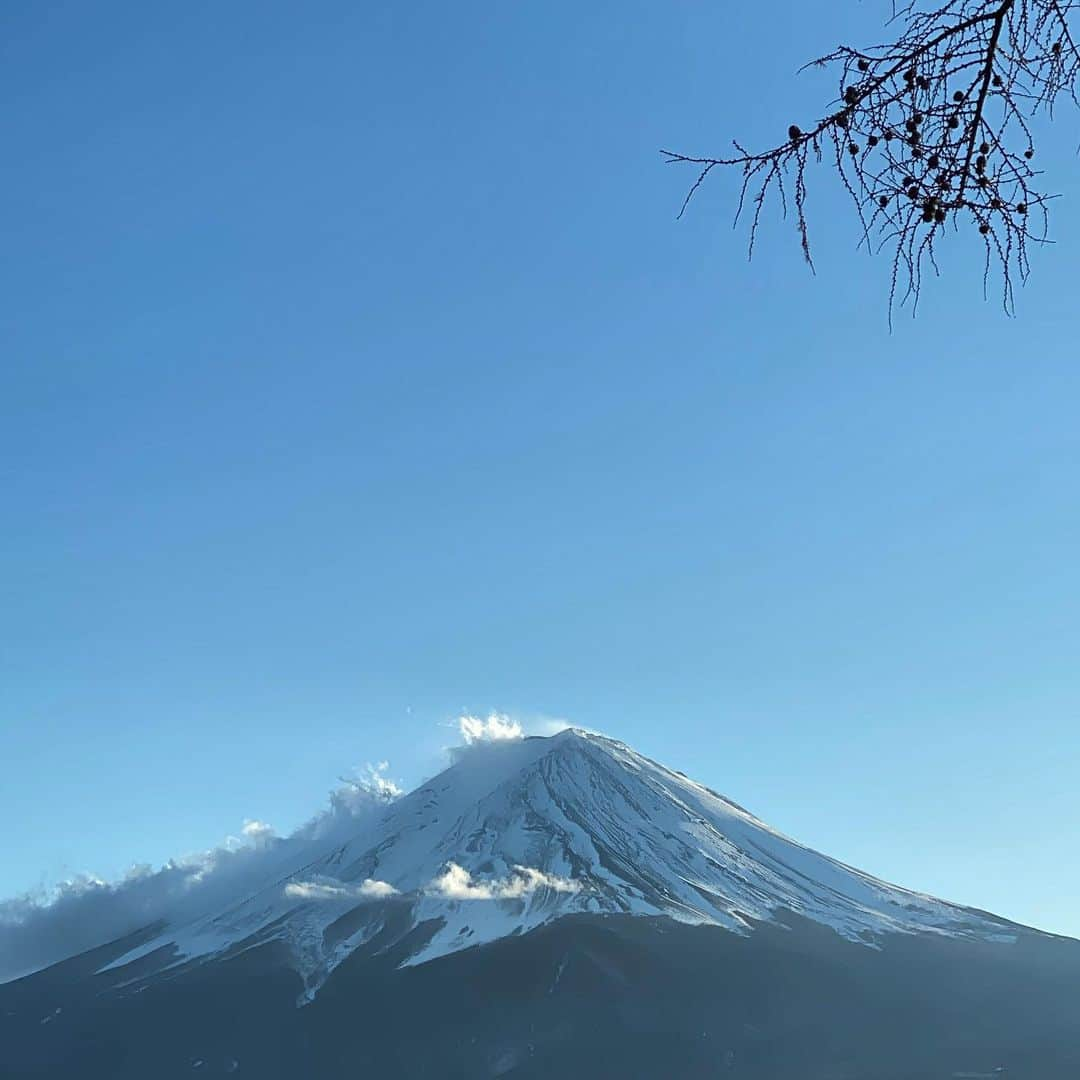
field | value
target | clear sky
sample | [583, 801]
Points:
[356, 373]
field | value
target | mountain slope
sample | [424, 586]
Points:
[515, 835]
[628, 921]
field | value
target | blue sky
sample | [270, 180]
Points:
[356, 373]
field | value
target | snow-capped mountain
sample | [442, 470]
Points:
[563, 907]
[517, 834]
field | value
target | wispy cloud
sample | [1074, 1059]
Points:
[258, 832]
[456, 883]
[495, 727]
[37, 929]
[331, 889]
[373, 780]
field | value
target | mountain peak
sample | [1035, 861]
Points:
[518, 833]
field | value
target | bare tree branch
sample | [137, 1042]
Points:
[929, 132]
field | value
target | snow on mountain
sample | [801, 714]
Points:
[520, 832]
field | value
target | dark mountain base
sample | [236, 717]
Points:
[581, 998]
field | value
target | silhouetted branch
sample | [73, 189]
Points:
[930, 131]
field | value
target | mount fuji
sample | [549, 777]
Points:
[557, 906]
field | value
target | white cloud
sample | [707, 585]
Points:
[376, 780]
[331, 889]
[456, 883]
[258, 832]
[367, 789]
[525, 879]
[496, 727]
[40, 928]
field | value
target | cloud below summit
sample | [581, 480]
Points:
[331, 889]
[38, 929]
[456, 883]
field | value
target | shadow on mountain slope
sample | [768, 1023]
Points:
[581, 997]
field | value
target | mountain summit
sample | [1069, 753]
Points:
[555, 870]
[518, 833]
